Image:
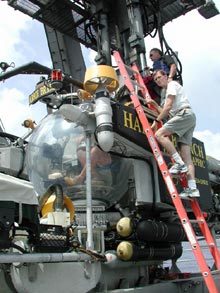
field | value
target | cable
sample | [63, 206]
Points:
[93, 254]
[149, 27]
[13, 245]
[168, 50]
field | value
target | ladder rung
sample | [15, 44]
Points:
[197, 221]
[207, 245]
[215, 272]
[130, 69]
[142, 99]
[137, 84]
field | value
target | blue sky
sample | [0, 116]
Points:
[196, 39]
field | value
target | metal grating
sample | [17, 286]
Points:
[77, 19]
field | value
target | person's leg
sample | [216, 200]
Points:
[162, 136]
[185, 153]
[96, 159]
[182, 124]
[78, 179]
[191, 191]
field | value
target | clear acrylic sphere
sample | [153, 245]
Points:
[56, 154]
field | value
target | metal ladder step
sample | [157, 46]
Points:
[208, 245]
[197, 221]
[135, 83]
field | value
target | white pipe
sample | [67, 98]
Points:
[103, 113]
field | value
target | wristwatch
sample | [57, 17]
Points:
[170, 76]
[156, 120]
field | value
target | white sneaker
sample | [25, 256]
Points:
[190, 193]
[177, 169]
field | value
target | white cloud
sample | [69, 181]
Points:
[21, 45]
[11, 33]
[12, 111]
[211, 142]
[15, 109]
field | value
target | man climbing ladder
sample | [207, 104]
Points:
[182, 122]
[205, 271]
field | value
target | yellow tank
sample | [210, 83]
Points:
[125, 250]
[124, 227]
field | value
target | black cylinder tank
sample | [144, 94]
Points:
[151, 231]
[155, 251]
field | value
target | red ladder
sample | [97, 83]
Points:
[205, 271]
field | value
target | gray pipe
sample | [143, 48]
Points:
[89, 223]
[58, 203]
[43, 257]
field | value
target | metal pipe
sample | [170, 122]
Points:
[103, 114]
[136, 38]
[43, 257]
[89, 243]
[140, 33]
[58, 203]
[105, 43]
